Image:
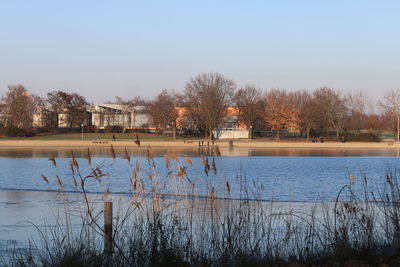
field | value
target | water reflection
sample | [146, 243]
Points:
[286, 174]
[104, 151]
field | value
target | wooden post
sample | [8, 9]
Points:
[108, 213]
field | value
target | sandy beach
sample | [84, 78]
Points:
[6, 144]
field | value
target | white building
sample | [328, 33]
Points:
[125, 116]
[230, 127]
[231, 133]
[141, 119]
[104, 115]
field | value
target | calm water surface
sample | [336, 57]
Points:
[270, 174]
[303, 176]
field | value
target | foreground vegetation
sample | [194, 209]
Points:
[187, 221]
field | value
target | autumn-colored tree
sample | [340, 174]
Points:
[207, 96]
[18, 107]
[281, 112]
[163, 110]
[249, 102]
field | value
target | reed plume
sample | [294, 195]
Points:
[137, 141]
[52, 159]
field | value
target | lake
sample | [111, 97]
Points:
[301, 175]
[293, 178]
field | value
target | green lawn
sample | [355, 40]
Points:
[388, 134]
[90, 136]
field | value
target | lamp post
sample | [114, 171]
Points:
[398, 129]
[82, 130]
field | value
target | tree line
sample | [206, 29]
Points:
[202, 107]
[207, 96]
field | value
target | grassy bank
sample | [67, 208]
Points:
[185, 228]
[90, 136]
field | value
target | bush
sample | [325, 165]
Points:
[39, 130]
[113, 129]
[90, 129]
[315, 133]
[64, 130]
[12, 131]
[138, 131]
[365, 137]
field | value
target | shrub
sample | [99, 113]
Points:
[39, 130]
[314, 133]
[66, 130]
[12, 131]
[138, 131]
[113, 129]
[90, 129]
[366, 137]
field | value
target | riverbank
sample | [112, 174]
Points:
[195, 143]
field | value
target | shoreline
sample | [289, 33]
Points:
[9, 144]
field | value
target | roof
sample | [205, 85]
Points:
[113, 106]
[122, 107]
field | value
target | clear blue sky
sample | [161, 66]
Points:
[106, 48]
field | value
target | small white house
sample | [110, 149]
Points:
[231, 133]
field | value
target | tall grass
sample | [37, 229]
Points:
[189, 228]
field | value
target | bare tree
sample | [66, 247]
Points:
[391, 107]
[136, 101]
[375, 123]
[249, 102]
[332, 109]
[43, 117]
[305, 102]
[207, 97]
[357, 103]
[281, 112]
[18, 107]
[163, 110]
[71, 106]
